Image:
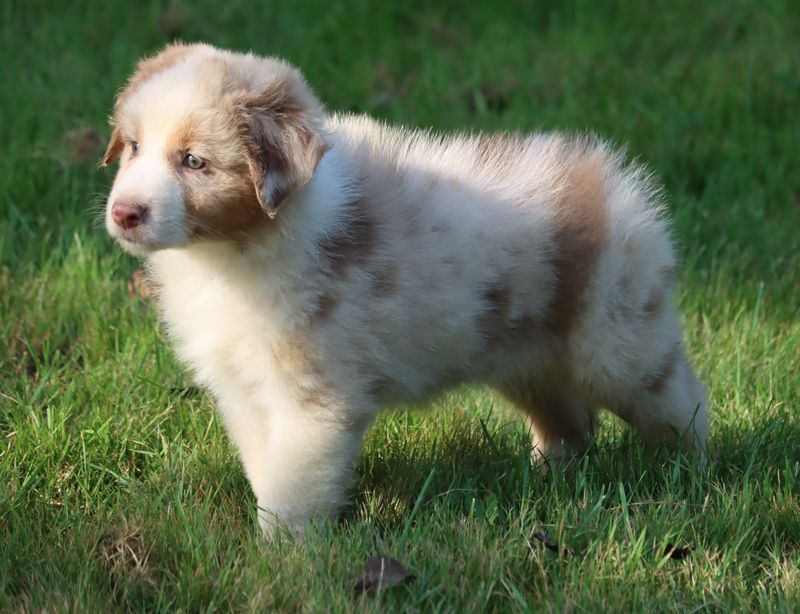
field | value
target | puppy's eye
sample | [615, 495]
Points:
[134, 147]
[193, 162]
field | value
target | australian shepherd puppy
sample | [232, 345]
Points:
[313, 268]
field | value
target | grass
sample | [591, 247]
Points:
[118, 488]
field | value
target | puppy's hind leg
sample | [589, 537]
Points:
[559, 417]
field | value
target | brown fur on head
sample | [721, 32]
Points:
[280, 129]
[253, 122]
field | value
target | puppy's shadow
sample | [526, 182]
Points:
[481, 462]
[450, 458]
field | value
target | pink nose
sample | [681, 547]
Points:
[127, 215]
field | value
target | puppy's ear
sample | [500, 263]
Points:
[114, 149]
[282, 135]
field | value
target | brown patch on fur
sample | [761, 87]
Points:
[384, 279]
[496, 325]
[192, 131]
[493, 323]
[654, 305]
[351, 245]
[221, 201]
[322, 310]
[526, 327]
[293, 353]
[279, 130]
[227, 209]
[313, 396]
[579, 233]
[655, 382]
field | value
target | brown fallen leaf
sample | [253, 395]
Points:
[84, 145]
[551, 544]
[122, 550]
[382, 572]
[139, 287]
[494, 96]
[676, 553]
[173, 18]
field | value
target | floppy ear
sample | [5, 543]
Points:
[283, 140]
[114, 149]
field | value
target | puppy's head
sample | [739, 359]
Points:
[210, 144]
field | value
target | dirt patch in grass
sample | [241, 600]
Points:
[123, 551]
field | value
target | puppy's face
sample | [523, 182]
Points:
[210, 143]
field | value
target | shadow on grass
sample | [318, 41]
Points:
[485, 472]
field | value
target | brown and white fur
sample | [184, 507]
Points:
[319, 267]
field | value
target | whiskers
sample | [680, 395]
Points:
[97, 210]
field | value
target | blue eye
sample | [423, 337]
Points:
[193, 162]
[134, 147]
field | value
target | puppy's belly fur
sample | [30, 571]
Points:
[398, 273]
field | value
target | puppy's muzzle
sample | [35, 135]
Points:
[128, 215]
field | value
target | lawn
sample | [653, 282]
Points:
[118, 487]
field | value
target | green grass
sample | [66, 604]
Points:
[118, 488]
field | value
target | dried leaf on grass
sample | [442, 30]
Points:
[173, 18]
[382, 572]
[677, 553]
[494, 96]
[123, 551]
[551, 544]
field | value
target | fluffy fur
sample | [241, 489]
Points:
[317, 268]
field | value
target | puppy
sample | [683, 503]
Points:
[314, 268]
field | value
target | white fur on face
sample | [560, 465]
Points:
[149, 181]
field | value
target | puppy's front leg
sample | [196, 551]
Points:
[305, 468]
